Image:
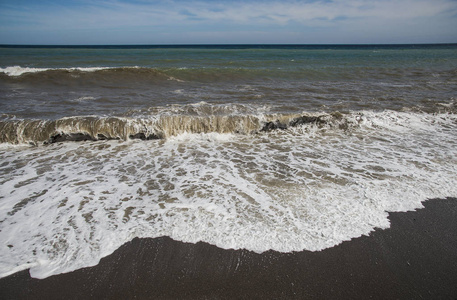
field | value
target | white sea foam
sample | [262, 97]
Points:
[84, 99]
[64, 206]
[178, 91]
[175, 79]
[18, 70]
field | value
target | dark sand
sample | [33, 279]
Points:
[415, 259]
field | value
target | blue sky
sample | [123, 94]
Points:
[227, 22]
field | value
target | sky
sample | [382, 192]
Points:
[104, 22]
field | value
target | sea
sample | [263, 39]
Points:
[257, 147]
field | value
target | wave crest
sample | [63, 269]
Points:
[18, 70]
[156, 127]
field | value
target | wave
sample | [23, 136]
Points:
[134, 75]
[18, 71]
[107, 128]
[88, 75]
[165, 124]
[209, 73]
[15, 71]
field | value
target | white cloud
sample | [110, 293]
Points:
[175, 17]
[300, 11]
[119, 13]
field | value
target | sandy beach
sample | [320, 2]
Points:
[414, 259]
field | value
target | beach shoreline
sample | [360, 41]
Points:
[415, 258]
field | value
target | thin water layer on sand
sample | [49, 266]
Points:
[305, 187]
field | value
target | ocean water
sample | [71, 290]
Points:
[264, 147]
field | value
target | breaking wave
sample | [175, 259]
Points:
[15, 71]
[63, 76]
[160, 127]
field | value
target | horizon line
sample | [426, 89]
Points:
[222, 45]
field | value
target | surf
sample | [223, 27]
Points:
[304, 187]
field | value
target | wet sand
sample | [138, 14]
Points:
[416, 258]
